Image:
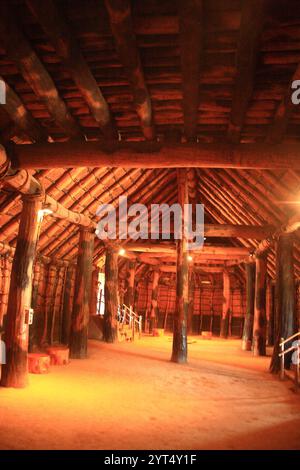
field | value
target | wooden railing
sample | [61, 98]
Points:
[127, 315]
[295, 348]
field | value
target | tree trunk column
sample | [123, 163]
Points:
[179, 353]
[82, 291]
[94, 292]
[67, 306]
[250, 296]
[260, 318]
[154, 301]
[15, 372]
[285, 314]
[226, 305]
[129, 295]
[110, 326]
[191, 301]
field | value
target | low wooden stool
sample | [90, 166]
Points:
[38, 363]
[158, 332]
[59, 355]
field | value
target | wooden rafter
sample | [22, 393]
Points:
[20, 51]
[191, 44]
[122, 28]
[67, 48]
[253, 12]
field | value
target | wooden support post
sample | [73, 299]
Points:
[81, 304]
[67, 307]
[285, 315]
[179, 352]
[33, 329]
[15, 371]
[110, 325]
[154, 301]
[94, 291]
[191, 302]
[270, 313]
[226, 305]
[129, 295]
[260, 319]
[250, 296]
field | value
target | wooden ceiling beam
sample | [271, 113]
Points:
[67, 48]
[20, 51]
[23, 119]
[191, 45]
[152, 155]
[283, 113]
[170, 248]
[253, 12]
[119, 12]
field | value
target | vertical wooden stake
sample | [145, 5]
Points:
[226, 305]
[81, 303]
[14, 372]
[260, 319]
[285, 312]
[33, 331]
[270, 313]
[250, 296]
[191, 302]
[179, 352]
[111, 297]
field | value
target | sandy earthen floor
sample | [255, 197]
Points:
[129, 396]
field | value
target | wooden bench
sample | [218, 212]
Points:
[59, 355]
[38, 363]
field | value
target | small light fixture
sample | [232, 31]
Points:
[122, 252]
[190, 258]
[45, 211]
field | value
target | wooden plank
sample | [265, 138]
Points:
[20, 51]
[191, 45]
[67, 48]
[135, 155]
[123, 31]
[253, 12]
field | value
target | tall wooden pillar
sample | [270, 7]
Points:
[225, 306]
[14, 372]
[94, 292]
[191, 301]
[270, 313]
[111, 297]
[67, 307]
[260, 318]
[33, 329]
[129, 295]
[154, 301]
[179, 352]
[285, 315]
[250, 297]
[82, 292]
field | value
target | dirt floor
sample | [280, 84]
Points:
[129, 396]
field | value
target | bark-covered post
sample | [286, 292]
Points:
[94, 292]
[179, 352]
[82, 291]
[270, 313]
[129, 295]
[67, 307]
[260, 318]
[285, 314]
[154, 301]
[191, 301]
[111, 297]
[250, 297]
[225, 306]
[15, 372]
[33, 329]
